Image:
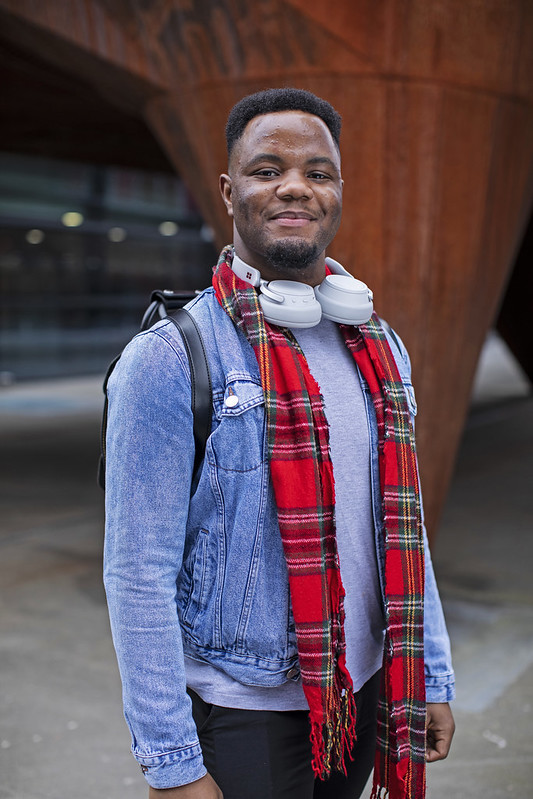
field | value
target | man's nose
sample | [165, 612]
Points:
[293, 185]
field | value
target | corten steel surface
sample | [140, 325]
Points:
[437, 143]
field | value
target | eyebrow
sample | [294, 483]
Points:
[315, 161]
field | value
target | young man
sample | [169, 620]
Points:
[268, 612]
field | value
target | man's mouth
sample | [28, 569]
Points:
[293, 218]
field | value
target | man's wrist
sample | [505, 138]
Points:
[204, 788]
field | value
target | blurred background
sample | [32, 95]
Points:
[111, 143]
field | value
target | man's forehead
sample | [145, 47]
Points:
[282, 124]
[285, 120]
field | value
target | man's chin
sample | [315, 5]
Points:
[291, 255]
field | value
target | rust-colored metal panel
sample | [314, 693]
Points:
[437, 102]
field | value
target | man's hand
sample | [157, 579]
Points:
[440, 728]
[204, 788]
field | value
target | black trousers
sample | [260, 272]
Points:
[264, 754]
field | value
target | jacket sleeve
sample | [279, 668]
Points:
[440, 678]
[149, 463]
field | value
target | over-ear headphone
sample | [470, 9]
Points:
[288, 303]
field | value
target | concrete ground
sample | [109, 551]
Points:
[61, 729]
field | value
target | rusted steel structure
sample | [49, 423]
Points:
[437, 103]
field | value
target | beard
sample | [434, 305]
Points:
[290, 255]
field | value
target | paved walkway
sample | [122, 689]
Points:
[62, 735]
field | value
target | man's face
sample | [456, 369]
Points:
[284, 192]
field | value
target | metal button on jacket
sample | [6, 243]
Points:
[232, 400]
[294, 672]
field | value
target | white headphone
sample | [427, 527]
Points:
[288, 303]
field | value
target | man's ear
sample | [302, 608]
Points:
[225, 190]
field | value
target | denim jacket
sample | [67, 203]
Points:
[205, 574]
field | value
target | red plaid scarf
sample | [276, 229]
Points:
[302, 478]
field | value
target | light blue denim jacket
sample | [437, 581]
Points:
[205, 575]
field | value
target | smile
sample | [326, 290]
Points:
[292, 219]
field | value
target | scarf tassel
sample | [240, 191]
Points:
[379, 792]
[332, 740]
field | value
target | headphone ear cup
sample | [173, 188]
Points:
[288, 303]
[345, 300]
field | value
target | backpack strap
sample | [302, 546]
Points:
[162, 304]
[201, 389]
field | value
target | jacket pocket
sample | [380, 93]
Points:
[197, 576]
[237, 444]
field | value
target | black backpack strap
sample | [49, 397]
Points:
[162, 303]
[201, 390]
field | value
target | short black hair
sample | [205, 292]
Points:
[271, 100]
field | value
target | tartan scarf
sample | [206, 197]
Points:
[302, 479]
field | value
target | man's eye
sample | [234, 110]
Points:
[318, 176]
[266, 173]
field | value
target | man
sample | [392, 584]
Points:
[268, 612]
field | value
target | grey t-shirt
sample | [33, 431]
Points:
[334, 369]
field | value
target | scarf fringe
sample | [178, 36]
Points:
[412, 788]
[379, 792]
[335, 738]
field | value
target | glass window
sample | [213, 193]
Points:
[81, 249]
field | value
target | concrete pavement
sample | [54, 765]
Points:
[61, 729]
